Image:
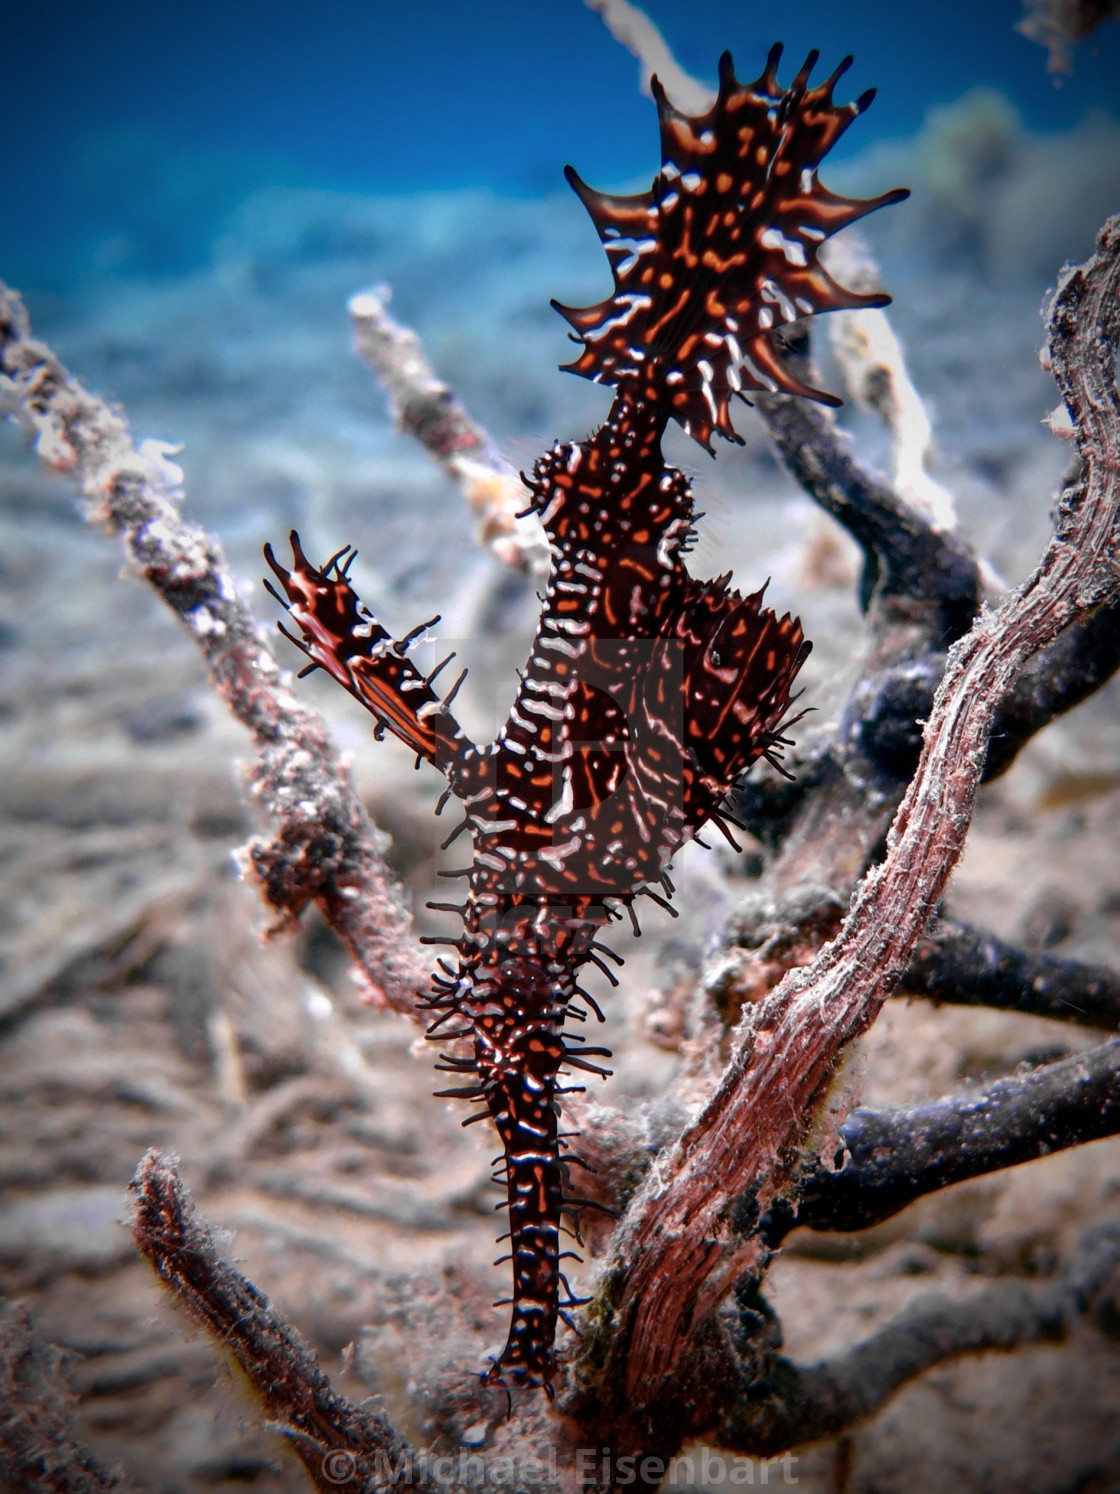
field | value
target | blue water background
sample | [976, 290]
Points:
[143, 125]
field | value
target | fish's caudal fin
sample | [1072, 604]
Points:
[722, 250]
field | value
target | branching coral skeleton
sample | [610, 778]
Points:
[676, 1344]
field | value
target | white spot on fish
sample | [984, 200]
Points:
[773, 238]
[556, 855]
[566, 802]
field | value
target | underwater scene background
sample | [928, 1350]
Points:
[191, 193]
[134, 129]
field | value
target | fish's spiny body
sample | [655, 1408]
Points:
[648, 693]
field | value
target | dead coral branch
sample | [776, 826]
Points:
[324, 848]
[39, 1452]
[678, 1254]
[1058, 25]
[341, 1446]
[797, 1404]
[426, 408]
[892, 1157]
[963, 966]
[637, 33]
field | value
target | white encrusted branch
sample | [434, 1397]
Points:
[877, 379]
[637, 33]
[427, 408]
[324, 848]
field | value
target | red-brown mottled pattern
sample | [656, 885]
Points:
[647, 692]
[722, 248]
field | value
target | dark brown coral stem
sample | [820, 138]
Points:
[797, 1404]
[963, 966]
[896, 1156]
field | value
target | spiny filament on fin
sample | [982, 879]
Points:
[647, 693]
[723, 249]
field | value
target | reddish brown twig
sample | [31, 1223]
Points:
[341, 1446]
[678, 1254]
